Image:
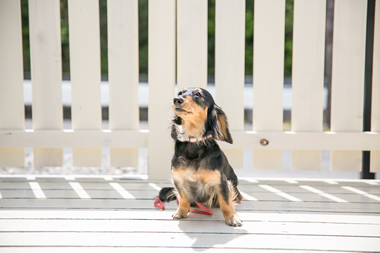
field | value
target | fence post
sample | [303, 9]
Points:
[375, 117]
[85, 76]
[268, 78]
[191, 43]
[229, 68]
[123, 73]
[366, 174]
[348, 78]
[46, 68]
[161, 86]
[307, 83]
[11, 74]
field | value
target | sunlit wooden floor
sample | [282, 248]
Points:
[110, 214]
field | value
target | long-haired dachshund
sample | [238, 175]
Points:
[200, 169]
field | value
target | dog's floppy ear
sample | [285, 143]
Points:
[222, 131]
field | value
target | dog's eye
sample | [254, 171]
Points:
[197, 94]
[180, 93]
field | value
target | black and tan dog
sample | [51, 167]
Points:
[200, 169]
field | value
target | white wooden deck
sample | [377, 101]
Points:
[108, 214]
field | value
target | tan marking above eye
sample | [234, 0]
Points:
[198, 90]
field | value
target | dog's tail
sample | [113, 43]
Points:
[167, 194]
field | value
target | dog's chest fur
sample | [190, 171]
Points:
[198, 185]
[194, 173]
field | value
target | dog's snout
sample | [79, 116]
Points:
[177, 101]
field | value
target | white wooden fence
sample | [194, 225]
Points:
[178, 29]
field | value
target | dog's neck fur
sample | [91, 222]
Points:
[183, 135]
[185, 132]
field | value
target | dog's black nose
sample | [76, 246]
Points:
[178, 101]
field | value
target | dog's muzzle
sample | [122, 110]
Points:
[178, 101]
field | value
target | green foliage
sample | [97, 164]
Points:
[249, 37]
[65, 37]
[211, 38]
[143, 36]
[288, 37]
[103, 36]
[25, 34]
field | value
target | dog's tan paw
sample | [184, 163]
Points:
[180, 214]
[234, 221]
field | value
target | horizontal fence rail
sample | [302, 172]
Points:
[178, 42]
[242, 140]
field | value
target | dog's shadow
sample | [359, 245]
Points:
[209, 231]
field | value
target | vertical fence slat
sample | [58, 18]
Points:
[348, 77]
[46, 72]
[192, 43]
[123, 73]
[375, 119]
[229, 67]
[268, 76]
[85, 75]
[161, 86]
[11, 75]
[308, 77]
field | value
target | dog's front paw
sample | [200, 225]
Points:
[180, 214]
[234, 221]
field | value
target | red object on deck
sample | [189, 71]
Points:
[160, 205]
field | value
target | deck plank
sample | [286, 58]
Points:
[189, 226]
[194, 240]
[109, 223]
[285, 206]
[166, 215]
[141, 250]
[47, 185]
[136, 194]
[288, 188]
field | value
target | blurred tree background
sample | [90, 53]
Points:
[143, 36]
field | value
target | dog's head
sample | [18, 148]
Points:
[197, 115]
